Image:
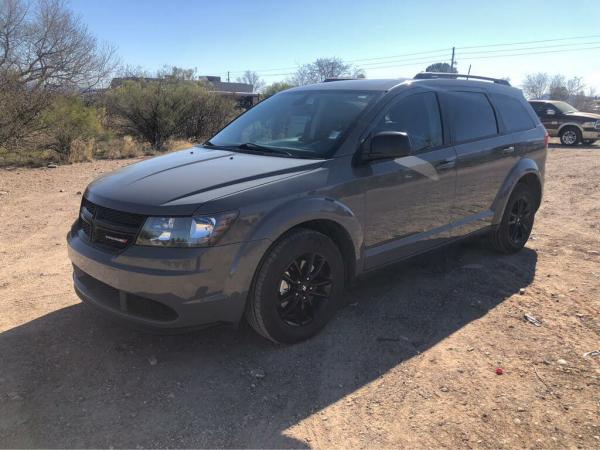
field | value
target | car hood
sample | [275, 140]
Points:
[178, 183]
[584, 115]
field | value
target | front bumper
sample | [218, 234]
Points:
[163, 288]
[591, 135]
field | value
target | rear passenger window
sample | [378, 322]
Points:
[514, 115]
[472, 116]
[418, 116]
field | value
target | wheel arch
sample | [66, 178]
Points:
[526, 171]
[569, 124]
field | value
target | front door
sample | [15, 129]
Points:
[408, 199]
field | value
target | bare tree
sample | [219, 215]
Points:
[324, 68]
[536, 85]
[253, 79]
[46, 45]
[575, 86]
[44, 50]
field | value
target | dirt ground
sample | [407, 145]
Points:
[411, 362]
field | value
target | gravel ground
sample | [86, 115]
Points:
[411, 362]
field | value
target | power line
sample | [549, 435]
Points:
[532, 42]
[478, 53]
[434, 54]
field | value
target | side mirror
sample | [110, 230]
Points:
[388, 144]
[550, 112]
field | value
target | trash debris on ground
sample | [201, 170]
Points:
[258, 373]
[562, 362]
[499, 371]
[529, 318]
[592, 353]
[52, 166]
[522, 291]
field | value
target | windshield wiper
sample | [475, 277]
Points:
[263, 148]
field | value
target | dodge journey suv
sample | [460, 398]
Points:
[272, 217]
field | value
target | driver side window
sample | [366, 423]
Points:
[417, 115]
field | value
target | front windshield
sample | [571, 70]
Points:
[305, 124]
[564, 107]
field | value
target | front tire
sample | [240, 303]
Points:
[512, 233]
[297, 288]
[570, 136]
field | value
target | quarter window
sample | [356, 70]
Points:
[514, 116]
[418, 116]
[472, 116]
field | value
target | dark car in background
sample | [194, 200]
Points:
[272, 217]
[564, 121]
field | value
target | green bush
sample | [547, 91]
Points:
[68, 120]
[160, 110]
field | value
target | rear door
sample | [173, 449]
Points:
[484, 158]
[408, 199]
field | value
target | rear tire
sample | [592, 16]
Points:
[570, 136]
[297, 288]
[514, 229]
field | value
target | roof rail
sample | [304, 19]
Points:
[329, 80]
[454, 76]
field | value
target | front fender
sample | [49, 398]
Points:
[523, 167]
[298, 211]
[274, 225]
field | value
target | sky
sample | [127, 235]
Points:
[386, 38]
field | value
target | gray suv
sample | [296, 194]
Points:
[272, 217]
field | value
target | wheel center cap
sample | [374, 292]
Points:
[304, 287]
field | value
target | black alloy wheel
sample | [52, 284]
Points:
[520, 222]
[297, 288]
[304, 288]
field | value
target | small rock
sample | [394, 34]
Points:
[78, 193]
[61, 190]
[470, 349]
[517, 421]
[52, 166]
[522, 291]
[258, 373]
[562, 362]
[171, 395]
[444, 389]
[14, 396]
[153, 361]
[3, 192]
[593, 252]
[520, 409]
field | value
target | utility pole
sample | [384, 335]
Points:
[452, 61]
[228, 70]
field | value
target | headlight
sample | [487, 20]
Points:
[197, 231]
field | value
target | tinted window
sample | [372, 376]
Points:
[417, 115]
[513, 113]
[472, 116]
[538, 107]
[304, 123]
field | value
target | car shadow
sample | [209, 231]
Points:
[73, 379]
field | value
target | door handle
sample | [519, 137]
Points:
[446, 164]
[508, 150]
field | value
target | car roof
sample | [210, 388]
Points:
[382, 85]
[359, 84]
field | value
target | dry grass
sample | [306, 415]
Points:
[84, 150]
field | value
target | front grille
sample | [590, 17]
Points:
[107, 227]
